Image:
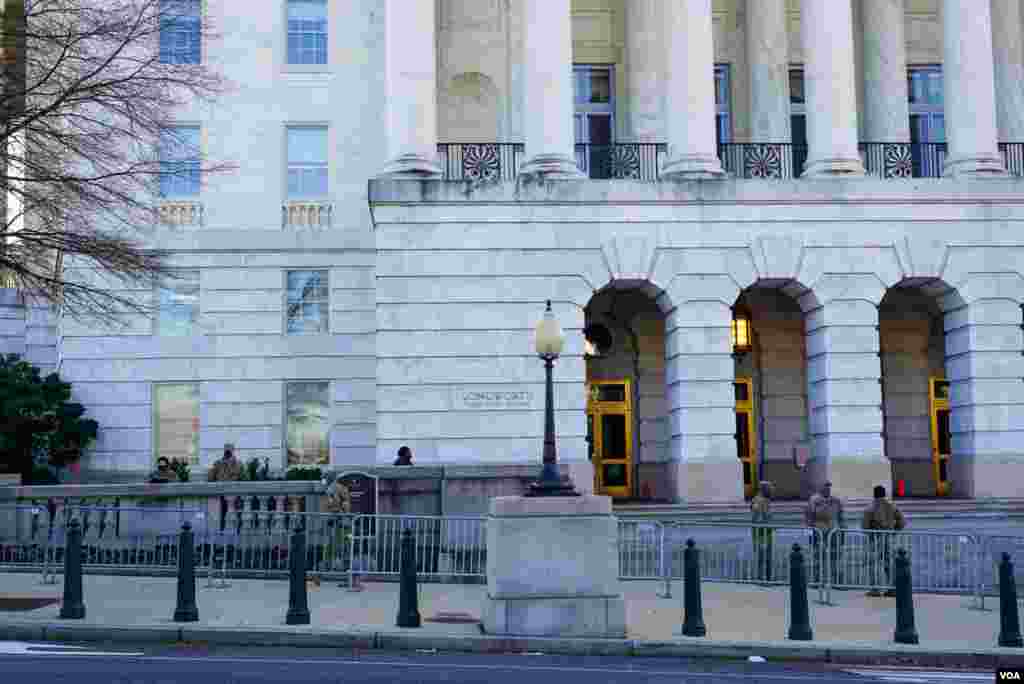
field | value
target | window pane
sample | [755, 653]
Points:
[180, 155]
[600, 86]
[307, 31]
[178, 308]
[308, 417]
[307, 144]
[796, 86]
[176, 426]
[180, 31]
[307, 302]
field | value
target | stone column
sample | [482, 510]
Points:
[886, 108]
[984, 366]
[699, 374]
[410, 77]
[969, 89]
[692, 150]
[845, 396]
[547, 85]
[826, 28]
[768, 54]
[645, 57]
[1008, 54]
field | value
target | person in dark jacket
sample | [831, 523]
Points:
[404, 456]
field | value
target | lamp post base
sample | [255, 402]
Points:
[551, 483]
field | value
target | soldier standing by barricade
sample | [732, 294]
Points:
[881, 515]
[760, 517]
[824, 512]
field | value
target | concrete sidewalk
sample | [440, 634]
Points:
[741, 620]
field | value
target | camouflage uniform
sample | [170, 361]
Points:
[339, 501]
[824, 514]
[226, 470]
[881, 515]
[760, 509]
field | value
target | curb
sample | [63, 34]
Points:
[361, 638]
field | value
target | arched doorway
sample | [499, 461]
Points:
[627, 412]
[770, 352]
[915, 391]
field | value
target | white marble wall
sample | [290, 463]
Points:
[490, 258]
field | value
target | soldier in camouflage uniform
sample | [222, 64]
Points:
[339, 502]
[824, 512]
[760, 510]
[881, 515]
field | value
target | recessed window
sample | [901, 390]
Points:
[308, 420]
[176, 422]
[179, 161]
[180, 31]
[307, 31]
[307, 161]
[307, 303]
[178, 305]
[723, 118]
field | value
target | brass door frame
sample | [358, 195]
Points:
[745, 407]
[939, 401]
[596, 408]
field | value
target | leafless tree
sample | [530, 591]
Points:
[88, 90]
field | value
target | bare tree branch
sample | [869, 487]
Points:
[87, 94]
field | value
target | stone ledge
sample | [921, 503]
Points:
[559, 506]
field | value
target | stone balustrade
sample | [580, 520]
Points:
[306, 215]
[181, 214]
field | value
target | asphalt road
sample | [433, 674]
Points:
[90, 664]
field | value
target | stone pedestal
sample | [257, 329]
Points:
[552, 568]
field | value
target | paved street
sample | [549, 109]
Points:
[44, 663]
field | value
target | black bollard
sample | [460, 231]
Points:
[408, 596]
[72, 607]
[693, 613]
[1009, 618]
[186, 610]
[906, 633]
[298, 605]
[799, 614]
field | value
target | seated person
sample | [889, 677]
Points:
[163, 472]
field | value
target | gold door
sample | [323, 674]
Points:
[746, 435]
[938, 396]
[610, 430]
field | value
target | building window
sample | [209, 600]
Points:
[179, 161]
[723, 117]
[307, 31]
[927, 115]
[307, 305]
[180, 31]
[307, 161]
[178, 305]
[176, 422]
[308, 420]
[594, 118]
[797, 119]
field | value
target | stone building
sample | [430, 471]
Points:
[791, 230]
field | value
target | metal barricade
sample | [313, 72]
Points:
[941, 563]
[447, 548]
[990, 554]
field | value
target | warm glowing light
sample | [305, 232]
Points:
[741, 332]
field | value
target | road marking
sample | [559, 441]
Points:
[27, 648]
[911, 676]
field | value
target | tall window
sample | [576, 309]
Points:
[307, 305]
[308, 422]
[176, 422]
[927, 120]
[178, 305]
[307, 161]
[179, 161]
[594, 117]
[797, 119]
[723, 118]
[307, 31]
[924, 91]
[180, 31]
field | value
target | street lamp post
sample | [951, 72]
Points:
[549, 345]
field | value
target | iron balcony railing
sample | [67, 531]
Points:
[752, 160]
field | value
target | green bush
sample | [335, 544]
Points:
[304, 472]
[39, 418]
